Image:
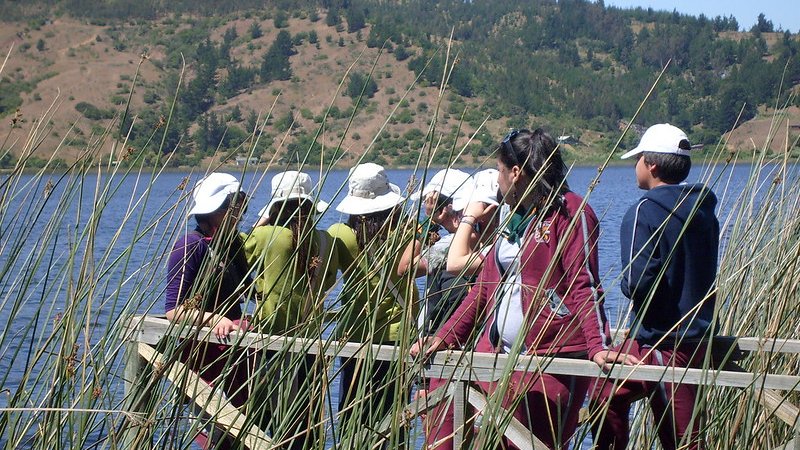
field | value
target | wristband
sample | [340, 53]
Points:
[473, 224]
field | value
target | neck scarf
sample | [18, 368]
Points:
[517, 223]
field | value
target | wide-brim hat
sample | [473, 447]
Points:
[210, 192]
[662, 138]
[369, 191]
[290, 185]
[483, 188]
[446, 182]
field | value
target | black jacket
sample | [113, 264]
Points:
[669, 243]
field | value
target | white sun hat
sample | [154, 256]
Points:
[446, 182]
[210, 192]
[484, 189]
[662, 138]
[289, 185]
[369, 191]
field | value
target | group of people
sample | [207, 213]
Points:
[511, 260]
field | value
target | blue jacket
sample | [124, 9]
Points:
[669, 243]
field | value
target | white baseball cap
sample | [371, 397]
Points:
[369, 191]
[289, 185]
[662, 138]
[446, 182]
[210, 192]
[483, 188]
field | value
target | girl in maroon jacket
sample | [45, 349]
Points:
[538, 292]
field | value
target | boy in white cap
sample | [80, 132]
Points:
[669, 241]
[438, 202]
[211, 279]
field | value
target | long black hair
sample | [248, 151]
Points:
[538, 155]
[297, 216]
[373, 227]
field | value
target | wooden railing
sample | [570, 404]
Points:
[461, 367]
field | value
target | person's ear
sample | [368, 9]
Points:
[653, 169]
[516, 171]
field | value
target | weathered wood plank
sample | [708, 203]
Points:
[460, 414]
[133, 368]
[516, 432]
[775, 403]
[417, 407]
[470, 366]
[770, 345]
[748, 344]
[211, 401]
[794, 444]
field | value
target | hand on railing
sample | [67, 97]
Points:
[225, 326]
[426, 346]
[606, 358]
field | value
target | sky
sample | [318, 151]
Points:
[783, 13]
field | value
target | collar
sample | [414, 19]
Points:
[517, 224]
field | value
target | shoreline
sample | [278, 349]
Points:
[615, 162]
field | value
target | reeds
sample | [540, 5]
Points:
[83, 249]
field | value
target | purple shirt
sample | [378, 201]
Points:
[183, 267]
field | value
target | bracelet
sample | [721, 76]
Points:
[473, 224]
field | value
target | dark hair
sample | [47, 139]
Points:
[672, 169]
[239, 197]
[295, 214]
[374, 226]
[536, 153]
[288, 211]
[442, 201]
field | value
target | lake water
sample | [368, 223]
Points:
[136, 228]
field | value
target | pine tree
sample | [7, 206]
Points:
[276, 60]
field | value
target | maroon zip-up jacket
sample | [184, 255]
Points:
[561, 296]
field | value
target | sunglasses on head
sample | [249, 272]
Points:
[507, 142]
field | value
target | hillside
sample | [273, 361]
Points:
[303, 69]
[79, 64]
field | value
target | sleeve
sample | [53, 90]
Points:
[183, 265]
[585, 294]
[641, 260]
[460, 326]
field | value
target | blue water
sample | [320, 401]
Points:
[140, 217]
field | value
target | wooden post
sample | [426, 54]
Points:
[131, 378]
[460, 414]
[797, 435]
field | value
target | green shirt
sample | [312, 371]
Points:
[287, 296]
[376, 302]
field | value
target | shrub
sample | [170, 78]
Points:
[361, 83]
[92, 112]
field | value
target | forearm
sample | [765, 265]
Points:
[410, 259]
[461, 259]
[192, 316]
